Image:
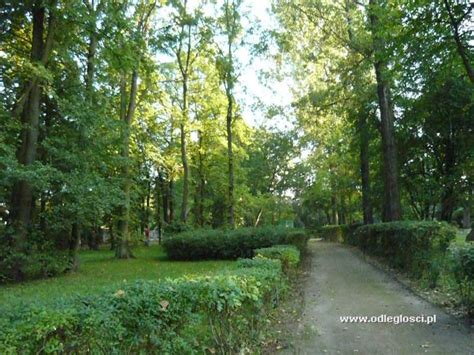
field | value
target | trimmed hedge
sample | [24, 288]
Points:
[415, 247]
[343, 233]
[230, 244]
[225, 313]
[289, 255]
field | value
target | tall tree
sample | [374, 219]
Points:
[28, 110]
[192, 37]
[231, 27]
[128, 104]
[391, 204]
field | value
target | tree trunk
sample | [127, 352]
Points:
[29, 110]
[392, 208]
[147, 203]
[470, 236]
[158, 204]
[365, 170]
[466, 215]
[74, 247]
[448, 198]
[112, 235]
[89, 89]
[201, 185]
[459, 45]
[43, 156]
[335, 215]
[230, 157]
[342, 211]
[90, 69]
[164, 193]
[123, 248]
[184, 159]
[171, 201]
[259, 215]
[185, 118]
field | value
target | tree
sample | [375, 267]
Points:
[192, 36]
[392, 206]
[128, 103]
[231, 28]
[27, 109]
[455, 23]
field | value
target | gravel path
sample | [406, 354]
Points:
[341, 283]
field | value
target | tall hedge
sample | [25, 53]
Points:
[343, 233]
[415, 247]
[230, 244]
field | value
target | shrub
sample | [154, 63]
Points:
[153, 317]
[143, 316]
[462, 268]
[236, 314]
[176, 227]
[415, 247]
[20, 266]
[343, 233]
[258, 262]
[229, 244]
[289, 255]
[297, 237]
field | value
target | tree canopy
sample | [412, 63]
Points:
[118, 116]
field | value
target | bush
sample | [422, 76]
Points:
[461, 262]
[176, 227]
[343, 233]
[20, 266]
[153, 317]
[289, 255]
[415, 247]
[229, 244]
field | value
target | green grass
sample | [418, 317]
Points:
[99, 270]
[460, 237]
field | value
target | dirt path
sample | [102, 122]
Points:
[341, 283]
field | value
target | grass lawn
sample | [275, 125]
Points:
[461, 236]
[99, 269]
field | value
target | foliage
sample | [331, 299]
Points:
[130, 118]
[289, 255]
[153, 317]
[39, 260]
[343, 233]
[229, 244]
[330, 48]
[17, 266]
[415, 247]
[461, 264]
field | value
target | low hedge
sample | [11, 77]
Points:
[230, 244]
[415, 247]
[461, 266]
[289, 255]
[223, 313]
